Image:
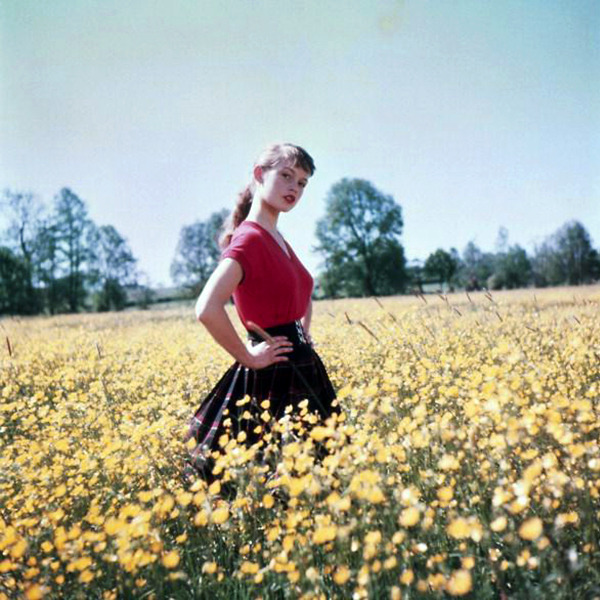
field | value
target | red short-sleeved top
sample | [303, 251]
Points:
[275, 289]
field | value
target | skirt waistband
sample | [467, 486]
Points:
[293, 331]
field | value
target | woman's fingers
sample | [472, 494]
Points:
[273, 349]
[280, 344]
[283, 344]
[280, 358]
[278, 349]
[282, 347]
[276, 341]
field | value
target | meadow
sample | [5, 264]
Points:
[466, 463]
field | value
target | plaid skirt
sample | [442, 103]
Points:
[283, 384]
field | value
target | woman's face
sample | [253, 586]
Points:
[282, 186]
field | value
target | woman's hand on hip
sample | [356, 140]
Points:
[269, 352]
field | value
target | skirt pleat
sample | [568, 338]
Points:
[285, 385]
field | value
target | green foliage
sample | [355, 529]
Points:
[61, 257]
[145, 296]
[112, 267]
[441, 265]
[24, 213]
[476, 267]
[198, 252]
[512, 269]
[48, 264]
[359, 241]
[16, 293]
[112, 296]
[73, 229]
[112, 259]
[567, 257]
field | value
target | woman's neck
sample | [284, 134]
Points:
[260, 213]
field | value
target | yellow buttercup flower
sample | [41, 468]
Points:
[341, 575]
[171, 559]
[220, 515]
[460, 583]
[86, 576]
[499, 524]
[486, 401]
[459, 528]
[409, 517]
[407, 577]
[531, 529]
[210, 568]
[34, 592]
[324, 534]
[445, 494]
[249, 568]
[268, 501]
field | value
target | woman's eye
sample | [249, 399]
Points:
[285, 175]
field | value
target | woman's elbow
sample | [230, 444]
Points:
[202, 310]
[206, 309]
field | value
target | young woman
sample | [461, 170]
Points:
[272, 294]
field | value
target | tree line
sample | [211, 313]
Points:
[55, 259]
[359, 241]
[565, 257]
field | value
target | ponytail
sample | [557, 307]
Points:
[237, 216]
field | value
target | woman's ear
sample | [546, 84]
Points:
[258, 174]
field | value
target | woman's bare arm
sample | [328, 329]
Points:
[210, 311]
[306, 319]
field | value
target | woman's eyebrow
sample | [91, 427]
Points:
[294, 171]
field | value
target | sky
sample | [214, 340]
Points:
[472, 114]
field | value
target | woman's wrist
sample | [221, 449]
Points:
[247, 360]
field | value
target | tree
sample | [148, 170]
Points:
[15, 292]
[415, 273]
[567, 256]
[441, 265]
[25, 212]
[512, 269]
[53, 286]
[476, 268]
[74, 231]
[198, 252]
[576, 256]
[114, 267]
[359, 240]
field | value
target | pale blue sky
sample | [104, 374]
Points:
[472, 114]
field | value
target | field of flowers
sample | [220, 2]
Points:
[467, 461]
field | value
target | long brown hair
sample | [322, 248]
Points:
[269, 158]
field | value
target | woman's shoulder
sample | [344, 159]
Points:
[248, 231]
[246, 236]
[247, 228]
[247, 246]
